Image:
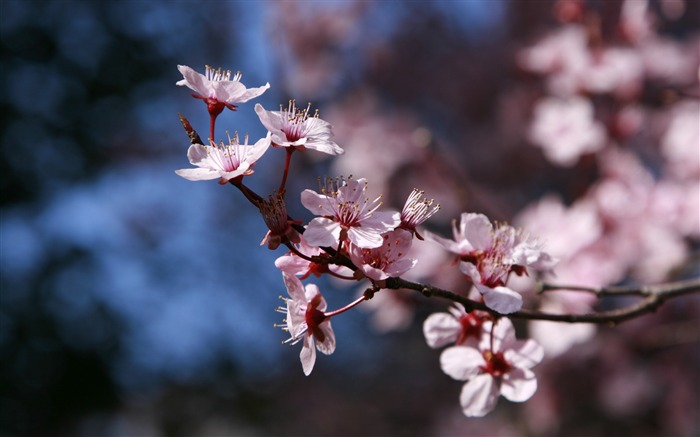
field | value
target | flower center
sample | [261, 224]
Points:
[314, 317]
[294, 120]
[471, 327]
[496, 364]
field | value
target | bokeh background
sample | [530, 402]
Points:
[134, 302]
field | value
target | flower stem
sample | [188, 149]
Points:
[290, 150]
[349, 306]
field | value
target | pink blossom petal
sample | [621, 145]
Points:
[322, 232]
[501, 299]
[479, 396]
[308, 354]
[472, 271]
[524, 353]
[461, 362]
[193, 80]
[197, 174]
[294, 287]
[497, 338]
[477, 230]
[441, 329]
[518, 385]
[327, 346]
[316, 203]
[365, 238]
[460, 247]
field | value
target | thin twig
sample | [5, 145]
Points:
[655, 296]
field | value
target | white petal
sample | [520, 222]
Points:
[518, 385]
[382, 221]
[477, 230]
[252, 93]
[461, 362]
[193, 80]
[501, 299]
[322, 232]
[461, 247]
[258, 149]
[401, 266]
[524, 354]
[316, 203]
[197, 153]
[198, 174]
[327, 346]
[294, 287]
[441, 329]
[479, 396]
[365, 238]
[308, 355]
[498, 338]
[470, 270]
[229, 91]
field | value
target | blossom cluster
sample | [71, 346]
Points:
[352, 238]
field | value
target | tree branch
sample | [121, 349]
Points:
[655, 295]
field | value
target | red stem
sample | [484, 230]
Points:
[346, 308]
[290, 150]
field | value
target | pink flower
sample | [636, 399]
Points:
[306, 321]
[499, 366]
[566, 129]
[417, 210]
[387, 261]
[490, 255]
[294, 127]
[303, 268]
[456, 327]
[225, 162]
[218, 88]
[346, 211]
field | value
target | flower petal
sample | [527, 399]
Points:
[193, 80]
[441, 329]
[524, 353]
[477, 230]
[479, 396]
[518, 385]
[322, 232]
[197, 174]
[501, 299]
[365, 238]
[295, 288]
[327, 346]
[308, 355]
[316, 203]
[461, 362]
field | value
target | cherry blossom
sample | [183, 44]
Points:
[306, 321]
[218, 88]
[489, 255]
[566, 129]
[294, 264]
[417, 210]
[294, 127]
[225, 162]
[500, 365]
[346, 211]
[454, 327]
[388, 260]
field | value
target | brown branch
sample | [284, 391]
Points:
[191, 133]
[655, 295]
[682, 287]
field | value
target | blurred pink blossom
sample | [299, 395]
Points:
[566, 129]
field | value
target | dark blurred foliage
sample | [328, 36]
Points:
[90, 120]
